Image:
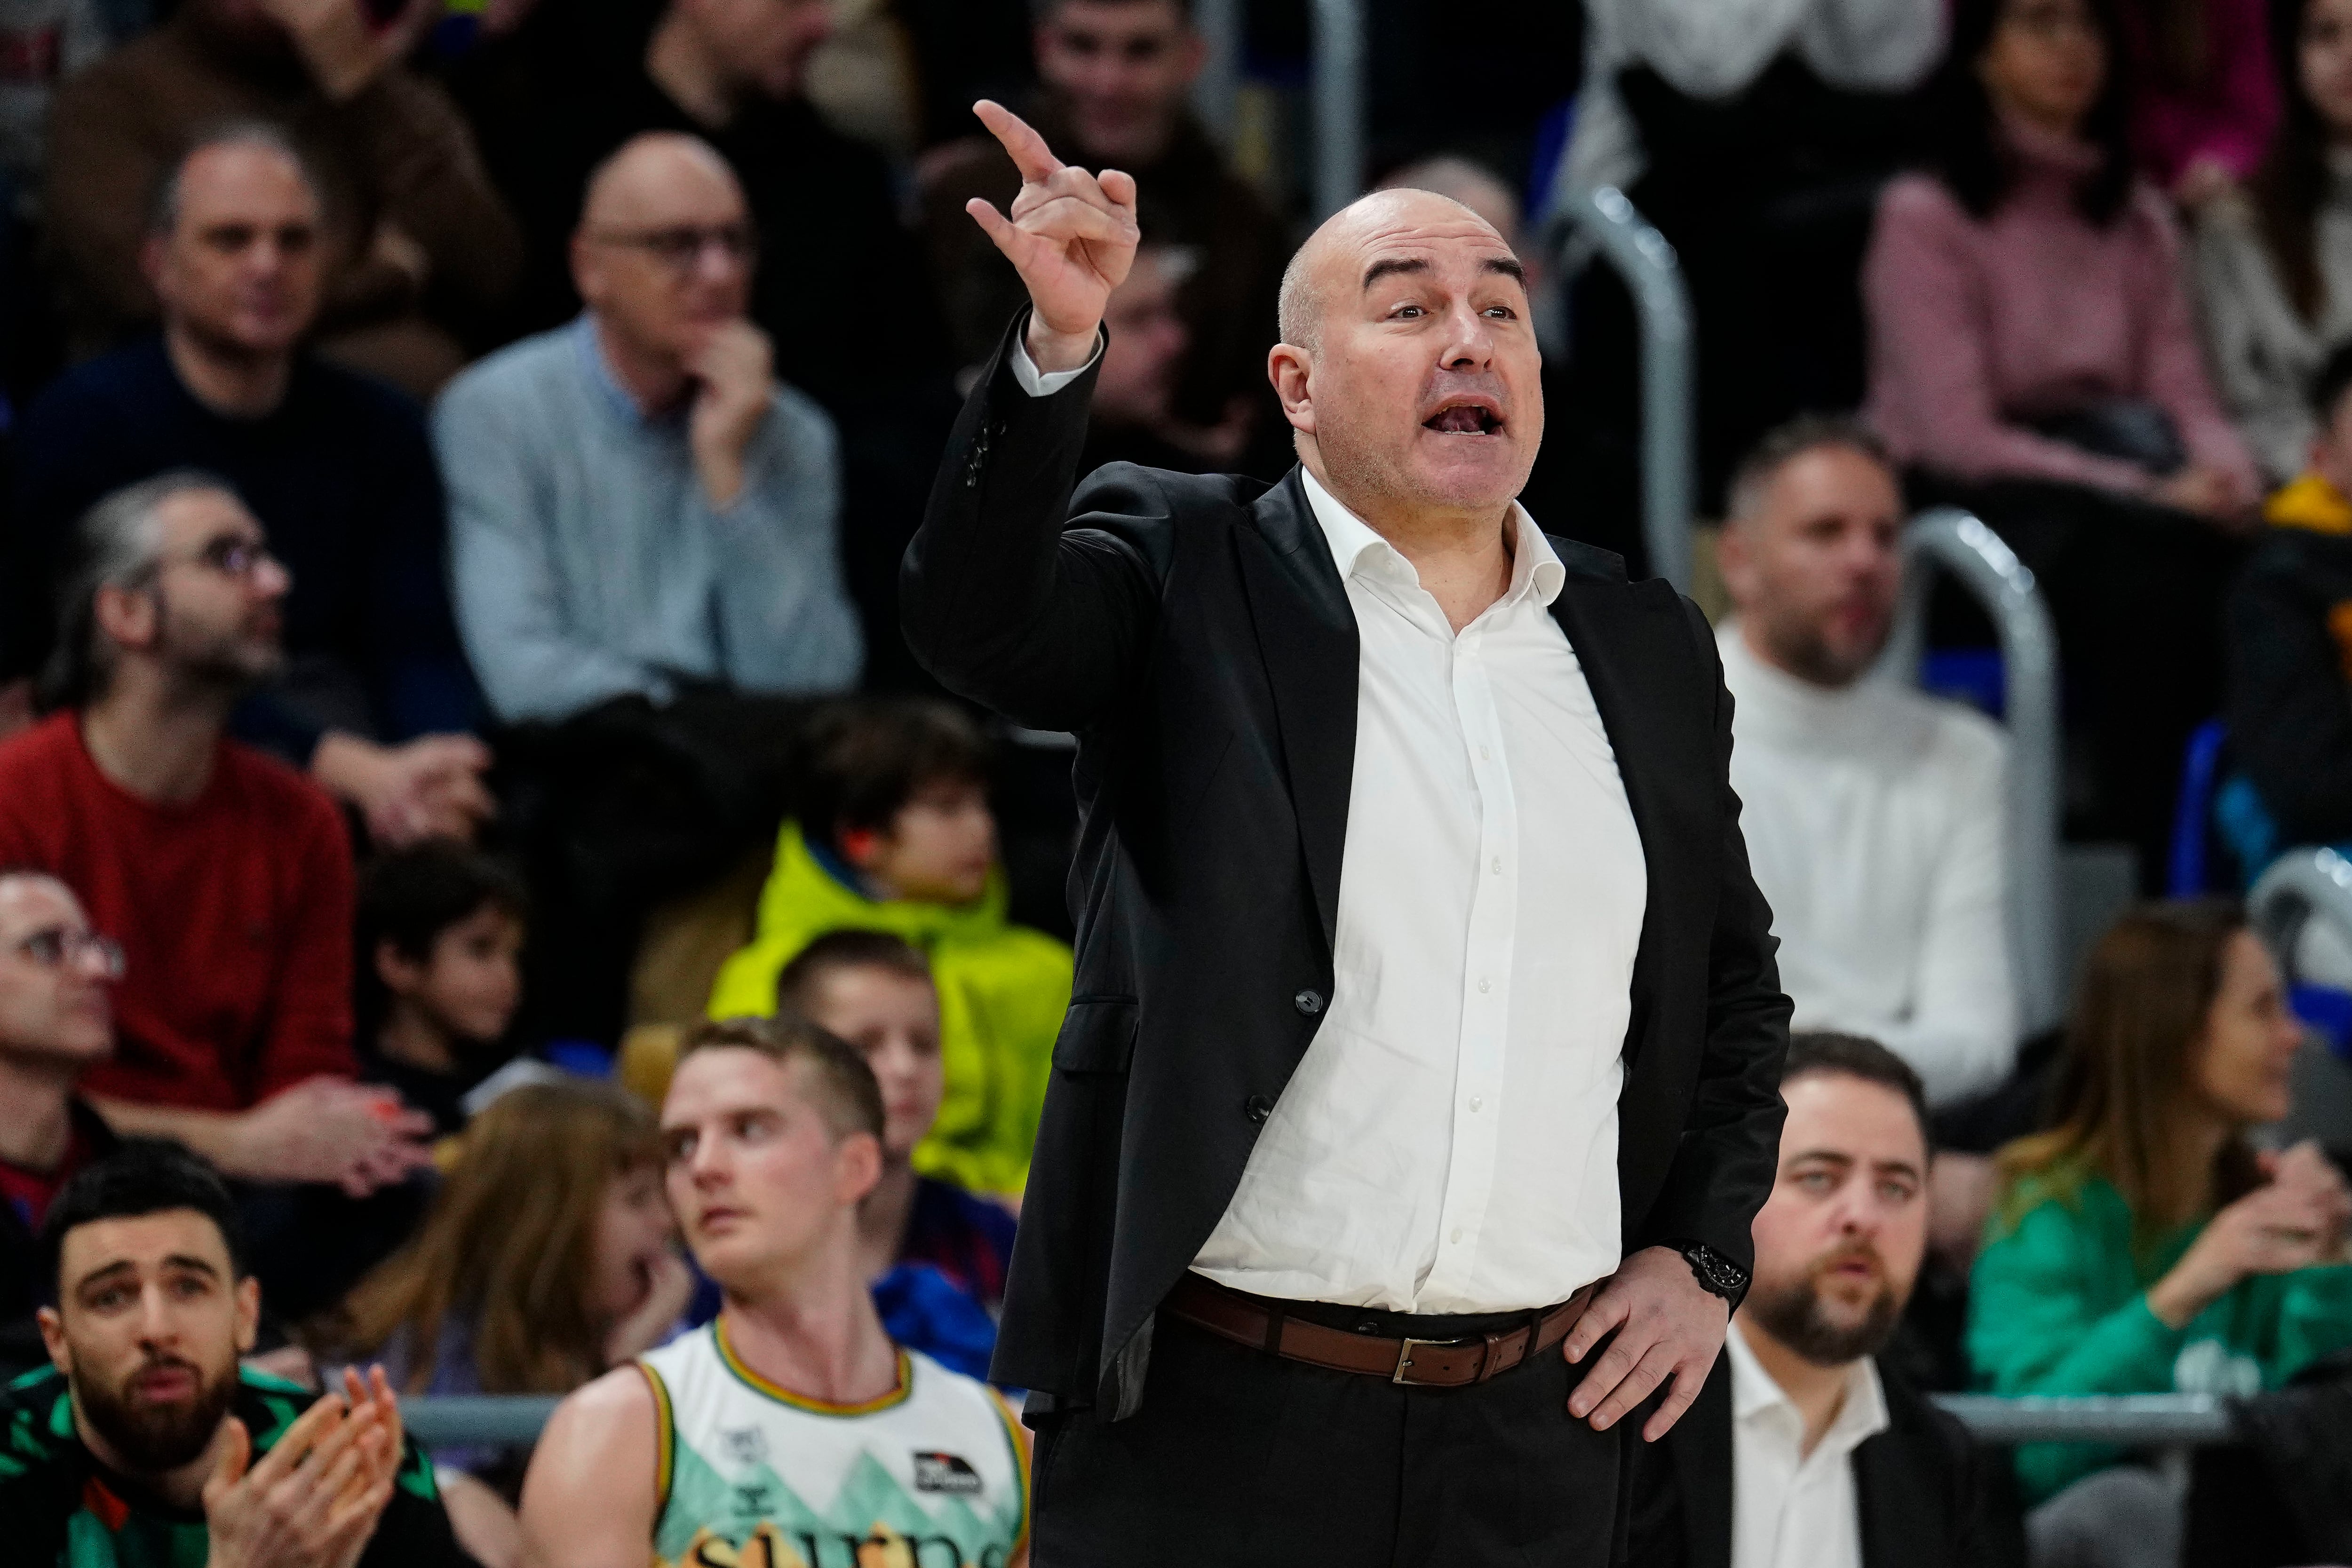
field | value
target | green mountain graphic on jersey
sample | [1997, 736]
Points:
[870, 1499]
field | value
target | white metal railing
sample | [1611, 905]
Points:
[1960, 543]
[2137, 1420]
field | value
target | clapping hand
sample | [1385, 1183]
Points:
[313, 1501]
[1071, 235]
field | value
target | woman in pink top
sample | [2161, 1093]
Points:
[2034, 279]
[2033, 355]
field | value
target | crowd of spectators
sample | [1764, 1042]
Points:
[461, 532]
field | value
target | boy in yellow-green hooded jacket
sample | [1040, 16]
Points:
[894, 834]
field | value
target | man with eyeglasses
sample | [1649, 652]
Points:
[225, 875]
[376, 695]
[1117, 78]
[578, 81]
[57, 1021]
[646, 548]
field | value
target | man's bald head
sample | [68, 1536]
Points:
[1407, 368]
[1330, 257]
[665, 250]
[631, 186]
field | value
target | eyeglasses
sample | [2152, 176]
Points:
[232, 556]
[54, 945]
[682, 246]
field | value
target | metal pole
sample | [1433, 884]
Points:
[1215, 94]
[1339, 137]
[1669, 399]
[2137, 1420]
[1962, 545]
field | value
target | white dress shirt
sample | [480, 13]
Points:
[1791, 1509]
[1449, 1142]
[1874, 824]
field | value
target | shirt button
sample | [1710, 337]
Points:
[1483, 987]
[1257, 1107]
[1497, 863]
[1308, 1002]
[1456, 1237]
[1478, 1104]
[1482, 754]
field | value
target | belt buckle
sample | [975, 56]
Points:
[1405, 1350]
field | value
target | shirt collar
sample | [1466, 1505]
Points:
[1753, 1391]
[1535, 566]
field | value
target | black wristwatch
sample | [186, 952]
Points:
[1716, 1272]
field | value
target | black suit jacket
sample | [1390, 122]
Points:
[1194, 632]
[1927, 1496]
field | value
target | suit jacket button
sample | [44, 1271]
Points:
[1257, 1107]
[1308, 1002]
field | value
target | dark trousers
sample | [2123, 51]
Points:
[1240, 1459]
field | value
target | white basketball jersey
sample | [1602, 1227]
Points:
[931, 1475]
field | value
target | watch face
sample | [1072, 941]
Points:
[1719, 1272]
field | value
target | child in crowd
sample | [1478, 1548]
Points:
[937, 1254]
[894, 834]
[547, 1258]
[2289, 634]
[440, 942]
[2144, 1246]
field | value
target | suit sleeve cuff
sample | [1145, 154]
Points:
[1042, 383]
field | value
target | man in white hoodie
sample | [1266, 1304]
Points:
[1873, 814]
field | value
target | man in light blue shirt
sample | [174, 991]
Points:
[637, 505]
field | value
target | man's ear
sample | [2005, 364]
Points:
[1735, 561]
[248, 1314]
[1290, 369]
[151, 261]
[1192, 55]
[53, 1339]
[857, 1166]
[587, 277]
[129, 616]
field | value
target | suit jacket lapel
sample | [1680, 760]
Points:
[1601, 618]
[1701, 1445]
[1306, 636]
[1890, 1505]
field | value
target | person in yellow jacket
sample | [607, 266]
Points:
[894, 834]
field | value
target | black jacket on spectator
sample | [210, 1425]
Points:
[570, 87]
[21, 1287]
[1195, 635]
[2289, 636]
[342, 478]
[1927, 1496]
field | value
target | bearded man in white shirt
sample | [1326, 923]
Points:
[1873, 814]
[1418, 1085]
[1804, 1450]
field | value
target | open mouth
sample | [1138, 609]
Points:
[1465, 417]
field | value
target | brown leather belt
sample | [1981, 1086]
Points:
[1262, 1324]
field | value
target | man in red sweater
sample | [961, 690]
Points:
[225, 876]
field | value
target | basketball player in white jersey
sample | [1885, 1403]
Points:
[790, 1433]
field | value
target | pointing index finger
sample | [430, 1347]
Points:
[1028, 150]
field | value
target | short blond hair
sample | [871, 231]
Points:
[846, 1094]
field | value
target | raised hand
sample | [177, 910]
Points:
[1071, 236]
